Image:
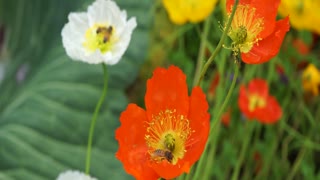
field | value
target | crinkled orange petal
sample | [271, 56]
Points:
[243, 102]
[132, 150]
[167, 89]
[267, 10]
[200, 123]
[258, 86]
[269, 47]
[230, 3]
[169, 171]
[271, 113]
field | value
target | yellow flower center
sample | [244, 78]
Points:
[245, 28]
[256, 101]
[99, 37]
[166, 136]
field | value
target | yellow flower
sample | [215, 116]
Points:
[304, 14]
[311, 79]
[182, 11]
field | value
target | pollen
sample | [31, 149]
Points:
[256, 101]
[168, 132]
[99, 37]
[245, 28]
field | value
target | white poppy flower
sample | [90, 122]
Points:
[100, 35]
[74, 175]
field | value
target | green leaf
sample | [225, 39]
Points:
[45, 116]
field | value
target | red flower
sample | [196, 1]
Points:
[167, 138]
[254, 30]
[226, 117]
[302, 47]
[256, 103]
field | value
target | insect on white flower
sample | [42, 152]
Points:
[74, 175]
[100, 35]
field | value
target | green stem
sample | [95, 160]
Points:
[297, 163]
[202, 50]
[307, 141]
[94, 118]
[212, 153]
[216, 120]
[243, 151]
[219, 46]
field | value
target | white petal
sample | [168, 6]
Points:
[120, 47]
[102, 11]
[73, 34]
[74, 175]
[119, 22]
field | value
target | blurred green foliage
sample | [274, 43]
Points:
[47, 100]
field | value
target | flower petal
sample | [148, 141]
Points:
[269, 47]
[243, 103]
[103, 12]
[200, 10]
[169, 171]
[267, 10]
[124, 39]
[132, 150]
[174, 11]
[199, 123]
[73, 35]
[271, 113]
[167, 89]
[258, 86]
[230, 3]
[74, 175]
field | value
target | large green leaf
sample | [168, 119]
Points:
[45, 116]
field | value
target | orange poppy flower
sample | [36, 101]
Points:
[167, 138]
[255, 31]
[256, 103]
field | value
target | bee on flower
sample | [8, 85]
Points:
[167, 138]
[100, 35]
[254, 30]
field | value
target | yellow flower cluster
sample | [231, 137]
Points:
[182, 11]
[304, 14]
[311, 79]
